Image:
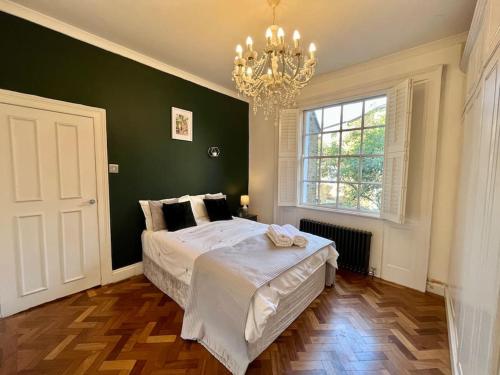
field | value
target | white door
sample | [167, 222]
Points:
[48, 207]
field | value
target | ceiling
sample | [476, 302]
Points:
[199, 36]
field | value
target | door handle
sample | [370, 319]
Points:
[92, 201]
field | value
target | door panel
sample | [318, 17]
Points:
[72, 245]
[68, 156]
[48, 223]
[31, 253]
[25, 161]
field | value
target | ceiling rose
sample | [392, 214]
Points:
[274, 77]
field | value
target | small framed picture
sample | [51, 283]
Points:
[182, 124]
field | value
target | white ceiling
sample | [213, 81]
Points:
[199, 36]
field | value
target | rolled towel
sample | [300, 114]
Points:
[279, 236]
[298, 237]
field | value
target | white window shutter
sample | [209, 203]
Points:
[397, 148]
[287, 157]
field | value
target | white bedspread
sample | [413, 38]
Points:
[176, 251]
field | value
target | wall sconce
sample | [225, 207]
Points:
[213, 151]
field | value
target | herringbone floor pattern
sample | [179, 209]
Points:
[361, 326]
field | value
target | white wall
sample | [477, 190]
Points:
[360, 78]
[473, 293]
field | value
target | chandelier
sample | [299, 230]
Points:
[273, 79]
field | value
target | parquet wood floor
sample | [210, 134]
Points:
[361, 326]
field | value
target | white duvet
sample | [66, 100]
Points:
[176, 252]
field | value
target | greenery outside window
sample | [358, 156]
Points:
[342, 161]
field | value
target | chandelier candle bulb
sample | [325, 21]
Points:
[269, 35]
[296, 38]
[249, 43]
[239, 51]
[281, 35]
[312, 49]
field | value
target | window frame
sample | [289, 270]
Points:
[302, 134]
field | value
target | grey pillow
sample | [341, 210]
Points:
[157, 218]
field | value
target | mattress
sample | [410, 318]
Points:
[175, 252]
[290, 307]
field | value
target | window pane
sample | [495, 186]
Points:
[332, 118]
[343, 148]
[351, 142]
[327, 193]
[372, 169]
[351, 116]
[311, 170]
[349, 169]
[309, 192]
[348, 196]
[313, 121]
[330, 144]
[370, 197]
[312, 145]
[373, 141]
[375, 110]
[329, 169]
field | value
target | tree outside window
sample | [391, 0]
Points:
[343, 155]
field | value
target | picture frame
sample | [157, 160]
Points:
[182, 124]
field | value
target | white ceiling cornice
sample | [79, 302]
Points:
[41, 19]
[475, 27]
[393, 57]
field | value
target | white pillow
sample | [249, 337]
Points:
[184, 198]
[198, 206]
[215, 196]
[147, 211]
[147, 214]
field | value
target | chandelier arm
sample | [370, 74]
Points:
[283, 64]
[260, 67]
[299, 58]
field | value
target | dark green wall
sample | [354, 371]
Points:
[138, 101]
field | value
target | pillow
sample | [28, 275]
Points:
[157, 218]
[218, 209]
[178, 216]
[146, 210]
[198, 206]
[147, 214]
[215, 196]
[184, 198]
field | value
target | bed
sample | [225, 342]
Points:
[169, 259]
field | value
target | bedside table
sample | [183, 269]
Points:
[247, 216]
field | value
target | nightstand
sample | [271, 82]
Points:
[247, 216]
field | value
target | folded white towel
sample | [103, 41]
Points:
[298, 237]
[279, 236]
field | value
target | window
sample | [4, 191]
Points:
[342, 161]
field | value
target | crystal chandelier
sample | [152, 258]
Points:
[273, 79]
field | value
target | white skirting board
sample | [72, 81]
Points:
[124, 273]
[452, 334]
[435, 287]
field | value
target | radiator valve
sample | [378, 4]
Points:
[372, 272]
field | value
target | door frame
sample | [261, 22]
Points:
[98, 115]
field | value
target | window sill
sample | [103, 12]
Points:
[366, 215]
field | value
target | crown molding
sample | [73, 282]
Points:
[419, 50]
[41, 19]
[475, 28]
